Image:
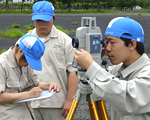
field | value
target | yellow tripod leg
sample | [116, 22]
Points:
[95, 110]
[91, 110]
[102, 109]
[72, 110]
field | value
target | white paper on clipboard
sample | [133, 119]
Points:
[44, 94]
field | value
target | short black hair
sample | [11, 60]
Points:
[16, 48]
[140, 46]
[54, 18]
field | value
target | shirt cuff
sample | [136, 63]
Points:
[92, 70]
[72, 69]
[1, 91]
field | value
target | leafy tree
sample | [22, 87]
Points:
[7, 5]
[98, 5]
[120, 3]
[68, 2]
[143, 3]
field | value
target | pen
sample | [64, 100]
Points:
[33, 83]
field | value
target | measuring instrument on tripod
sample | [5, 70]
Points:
[89, 38]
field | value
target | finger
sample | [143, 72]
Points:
[66, 113]
[55, 87]
[40, 87]
[82, 50]
[63, 112]
[51, 87]
[58, 89]
[77, 52]
[75, 56]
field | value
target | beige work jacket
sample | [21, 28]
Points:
[56, 61]
[14, 80]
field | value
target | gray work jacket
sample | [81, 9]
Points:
[127, 90]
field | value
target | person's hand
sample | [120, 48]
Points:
[66, 108]
[35, 92]
[54, 86]
[83, 58]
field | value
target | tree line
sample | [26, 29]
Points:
[118, 4]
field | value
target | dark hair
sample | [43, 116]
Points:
[16, 48]
[139, 47]
[53, 18]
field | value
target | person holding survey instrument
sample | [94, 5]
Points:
[126, 84]
[16, 74]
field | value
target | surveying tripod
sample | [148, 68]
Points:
[94, 106]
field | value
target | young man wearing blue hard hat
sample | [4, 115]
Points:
[16, 75]
[57, 64]
[126, 84]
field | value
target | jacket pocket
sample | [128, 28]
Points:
[12, 85]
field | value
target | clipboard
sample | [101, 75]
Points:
[44, 94]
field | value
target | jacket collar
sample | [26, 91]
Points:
[12, 61]
[134, 66]
[53, 33]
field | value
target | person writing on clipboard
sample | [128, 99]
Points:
[16, 74]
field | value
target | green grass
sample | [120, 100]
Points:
[29, 27]
[1, 34]
[15, 12]
[14, 33]
[145, 10]
[139, 14]
[15, 25]
[89, 11]
[1, 51]
[73, 11]
[63, 30]
[74, 23]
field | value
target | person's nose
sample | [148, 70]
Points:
[108, 47]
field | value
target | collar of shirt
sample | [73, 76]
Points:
[134, 66]
[53, 33]
[12, 61]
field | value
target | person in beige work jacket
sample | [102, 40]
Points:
[16, 75]
[57, 64]
[126, 85]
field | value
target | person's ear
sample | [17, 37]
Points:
[133, 44]
[20, 51]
